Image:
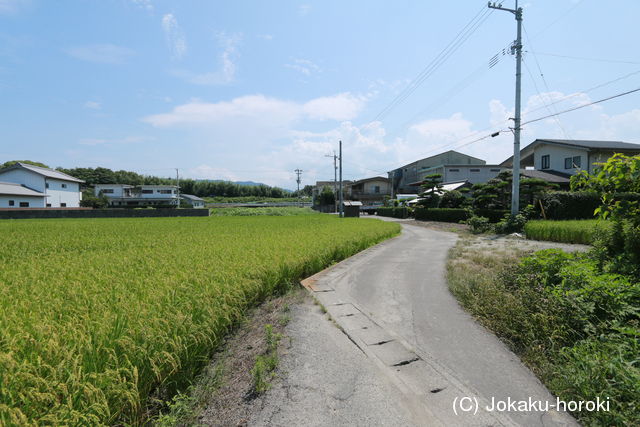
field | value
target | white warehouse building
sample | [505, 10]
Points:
[53, 189]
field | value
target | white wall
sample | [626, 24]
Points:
[475, 174]
[156, 193]
[118, 190]
[34, 202]
[557, 155]
[26, 178]
[58, 195]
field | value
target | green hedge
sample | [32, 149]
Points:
[400, 212]
[441, 214]
[494, 215]
[569, 205]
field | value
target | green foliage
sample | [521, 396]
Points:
[479, 224]
[559, 205]
[432, 185]
[453, 199]
[264, 368]
[511, 224]
[570, 231]
[395, 212]
[89, 200]
[29, 162]
[495, 194]
[123, 309]
[575, 326]
[494, 215]
[326, 197]
[441, 214]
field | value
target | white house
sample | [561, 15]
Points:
[569, 156]
[61, 190]
[14, 195]
[122, 195]
[193, 201]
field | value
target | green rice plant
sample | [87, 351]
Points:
[98, 315]
[572, 231]
[271, 211]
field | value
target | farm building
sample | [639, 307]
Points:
[14, 195]
[61, 190]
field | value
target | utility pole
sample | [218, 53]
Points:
[178, 186]
[335, 180]
[340, 189]
[298, 172]
[517, 47]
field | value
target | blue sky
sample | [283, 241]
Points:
[251, 90]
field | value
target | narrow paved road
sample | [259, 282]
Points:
[393, 302]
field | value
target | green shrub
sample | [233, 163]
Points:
[441, 214]
[510, 224]
[478, 224]
[493, 215]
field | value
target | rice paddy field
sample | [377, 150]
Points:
[101, 317]
[565, 231]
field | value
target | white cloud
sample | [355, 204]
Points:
[144, 4]
[343, 106]
[304, 66]
[210, 172]
[125, 140]
[101, 53]
[227, 71]
[93, 105]
[174, 36]
[267, 37]
[260, 109]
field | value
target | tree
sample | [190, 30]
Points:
[452, 199]
[326, 197]
[29, 162]
[89, 200]
[432, 185]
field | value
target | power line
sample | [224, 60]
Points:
[462, 36]
[583, 106]
[555, 21]
[582, 58]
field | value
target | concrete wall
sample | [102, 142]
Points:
[34, 202]
[99, 213]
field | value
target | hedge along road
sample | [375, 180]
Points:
[393, 302]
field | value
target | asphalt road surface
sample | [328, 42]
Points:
[435, 364]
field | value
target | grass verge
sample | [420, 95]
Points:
[577, 329]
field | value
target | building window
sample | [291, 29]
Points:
[12, 202]
[494, 170]
[572, 162]
[24, 204]
[63, 205]
[577, 161]
[147, 191]
[545, 162]
[165, 191]
[454, 170]
[48, 205]
[64, 185]
[46, 185]
[376, 189]
[107, 191]
[474, 170]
